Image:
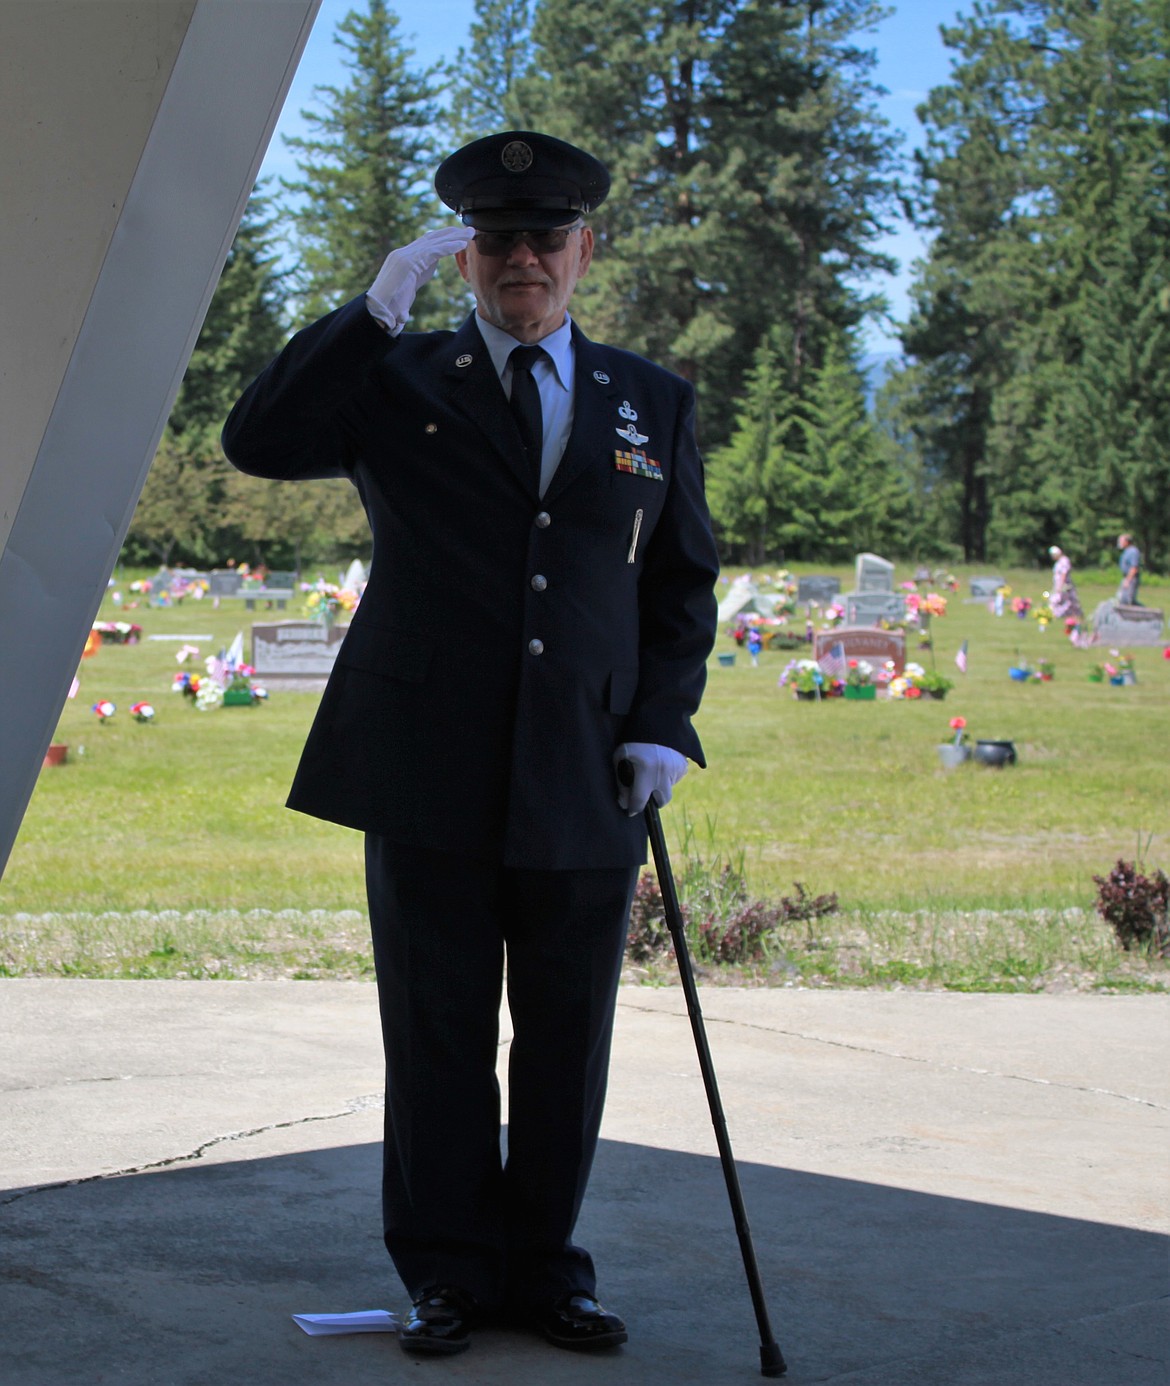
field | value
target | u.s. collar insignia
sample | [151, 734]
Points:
[632, 436]
[601, 377]
[463, 360]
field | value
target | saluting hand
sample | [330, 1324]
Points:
[405, 270]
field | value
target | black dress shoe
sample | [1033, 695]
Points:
[438, 1323]
[579, 1323]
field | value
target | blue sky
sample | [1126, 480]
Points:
[911, 59]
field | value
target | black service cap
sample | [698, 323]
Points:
[521, 181]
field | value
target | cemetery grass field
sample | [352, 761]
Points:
[163, 849]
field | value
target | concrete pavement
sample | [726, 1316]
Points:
[944, 1190]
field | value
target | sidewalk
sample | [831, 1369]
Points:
[944, 1190]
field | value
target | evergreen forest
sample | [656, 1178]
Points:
[753, 177]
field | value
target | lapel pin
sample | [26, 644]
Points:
[463, 360]
[432, 428]
[601, 377]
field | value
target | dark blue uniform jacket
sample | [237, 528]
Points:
[505, 644]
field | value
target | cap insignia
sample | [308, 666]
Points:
[516, 156]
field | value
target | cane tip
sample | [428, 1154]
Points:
[772, 1362]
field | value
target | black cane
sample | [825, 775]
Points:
[771, 1360]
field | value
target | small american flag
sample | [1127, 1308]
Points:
[961, 658]
[833, 664]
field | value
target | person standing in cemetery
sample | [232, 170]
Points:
[1063, 599]
[554, 487]
[1131, 571]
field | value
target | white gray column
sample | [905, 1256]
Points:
[130, 137]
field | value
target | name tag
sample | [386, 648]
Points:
[637, 464]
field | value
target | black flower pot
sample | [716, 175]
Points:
[997, 753]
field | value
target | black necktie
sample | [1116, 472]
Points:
[526, 405]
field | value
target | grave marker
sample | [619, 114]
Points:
[1120, 625]
[295, 649]
[864, 642]
[821, 590]
[874, 574]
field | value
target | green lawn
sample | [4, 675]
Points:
[185, 814]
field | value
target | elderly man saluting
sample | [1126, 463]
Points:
[556, 486]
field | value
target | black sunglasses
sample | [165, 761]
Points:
[495, 244]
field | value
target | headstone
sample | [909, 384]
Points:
[223, 582]
[1120, 625]
[874, 574]
[864, 642]
[276, 587]
[984, 588]
[868, 608]
[821, 590]
[295, 649]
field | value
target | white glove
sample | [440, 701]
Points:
[406, 270]
[657, 769]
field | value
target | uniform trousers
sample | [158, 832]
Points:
[446, 930]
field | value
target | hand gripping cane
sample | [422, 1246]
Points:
[771, 1361]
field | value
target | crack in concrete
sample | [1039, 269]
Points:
[909, 1058]
[363, 1103]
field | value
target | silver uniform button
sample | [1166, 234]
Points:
[536, 647]
[538, 583]
[543, 520]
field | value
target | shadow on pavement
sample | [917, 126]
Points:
[187, 1276]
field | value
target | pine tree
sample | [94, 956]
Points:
[180, 511]
[1041, 324]
[366, 171]
[751, 174]
[746, 482]
[482, 80]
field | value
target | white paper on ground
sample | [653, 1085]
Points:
[362, 1321]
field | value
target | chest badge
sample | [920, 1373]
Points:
[632, 436]
[627, 411]
[601, 377]
[463, 361]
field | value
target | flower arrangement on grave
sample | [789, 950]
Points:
[1119, 668]
[959, 727]
[905, 684]
[803, 676]
[1021, 606]
[1045, 669]
[784, 592]
[931, 682]
[142, 712]
[832, 615]
[104, 710]
[251, 579]
[118, 632]
[1042, 614]
[204, 691]
[325, 601]
[859, 673]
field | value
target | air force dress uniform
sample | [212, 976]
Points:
[507, 642]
